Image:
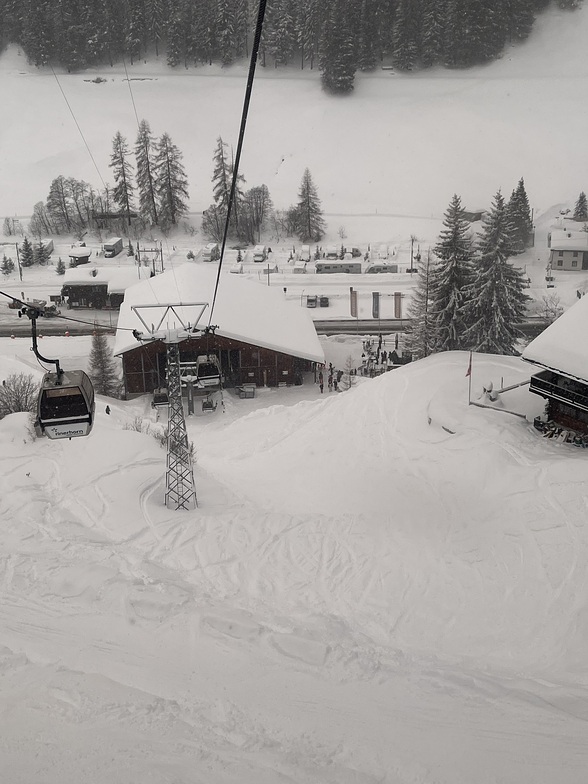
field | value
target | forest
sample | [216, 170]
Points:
[337, 37]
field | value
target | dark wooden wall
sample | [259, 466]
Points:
[144, 366]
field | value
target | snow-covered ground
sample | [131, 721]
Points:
[380, 585]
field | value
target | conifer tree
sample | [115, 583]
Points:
[421, 340]
[406, 35]
[102, 367]
[337, 49]
[172, 183]
[27, 253]
[60, 268]
[309, 31]
[519, 215]
[6, 266]
[432, 32]
[225, 31]
[144, 157]
[121, 166]
[367, 36]
[449, 277]
[581, 208]
[280, 38]
[41, 253]
[309, 215]
[496, 300]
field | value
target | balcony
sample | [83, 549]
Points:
[551, 385]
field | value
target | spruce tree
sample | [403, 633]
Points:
[449, 277]
[60, 268]
[367, 36]
[432, 32]
[225, 31]
[337, 51]
[145, 157]
[120, 163]
[41, 253]
[102, 367]
[172, 183]
[406, 37]
[280, 38]
[581, 208]
[309, 30]
[6, 266]
[496, 300]
[26, 253]
[519, 215]
[309, 215]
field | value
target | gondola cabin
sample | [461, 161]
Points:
[66, 405]
[208, 373]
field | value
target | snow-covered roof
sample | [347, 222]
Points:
[562, 347]
[569, 239]
[244, 310]
[79, 253]
[117, 279]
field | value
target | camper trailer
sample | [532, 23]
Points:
[211, 252]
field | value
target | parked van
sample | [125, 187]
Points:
[211, 252]
[304, 254]
[355, 252]
[260, 253]
[113, 247]
[299, 267]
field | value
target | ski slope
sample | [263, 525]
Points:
[379, 585]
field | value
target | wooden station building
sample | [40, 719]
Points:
[260, 338]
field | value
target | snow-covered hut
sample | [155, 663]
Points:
[260, 338]
[98, 287]
[564, 357]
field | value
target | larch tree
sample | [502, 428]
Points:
[309, 215]
[122, 169]
[102, 367]
[172, 183]
[420, 336]
[496, 299]
[145, 162]
[581, 208]
[449, 277]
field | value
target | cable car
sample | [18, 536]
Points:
[66, 405]
[208, 372]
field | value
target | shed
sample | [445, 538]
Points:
[79, 255]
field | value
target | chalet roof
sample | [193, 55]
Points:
[569, 239]
[561, 346]
[79, 253]
[244, 310]
[117, 279]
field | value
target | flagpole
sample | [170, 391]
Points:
[470, 380]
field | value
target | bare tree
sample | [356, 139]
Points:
[18, 393]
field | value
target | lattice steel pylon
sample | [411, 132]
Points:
[180, 490]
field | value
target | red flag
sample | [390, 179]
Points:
[469, 370]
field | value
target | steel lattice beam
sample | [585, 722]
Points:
[180, 492]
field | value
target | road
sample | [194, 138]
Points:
[57, 326]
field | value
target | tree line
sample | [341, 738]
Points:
[469, 295]
[150, 189]
[252, 211]
[339, 37]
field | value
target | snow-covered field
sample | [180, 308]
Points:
[383, 585]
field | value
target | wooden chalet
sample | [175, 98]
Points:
[563, 354]
[259, 338]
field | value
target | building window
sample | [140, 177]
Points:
[560, 262]
[574, 263]
[575, 254]
[561, 253]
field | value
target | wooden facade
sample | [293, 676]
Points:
[567, 400]
[241, 363]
